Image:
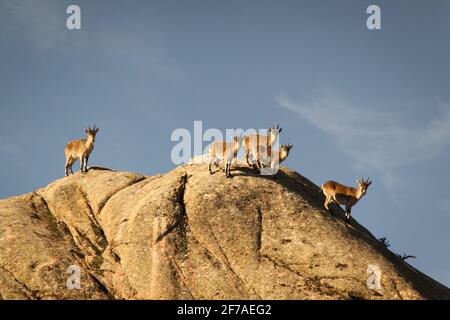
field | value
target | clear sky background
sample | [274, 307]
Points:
[353, 102]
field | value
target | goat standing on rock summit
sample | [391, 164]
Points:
[343, 195]
[221, 151]
[276, 158]
[254, 142]
[80, 149]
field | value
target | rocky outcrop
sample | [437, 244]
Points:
[187, 234]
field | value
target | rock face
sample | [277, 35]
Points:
[187, 234]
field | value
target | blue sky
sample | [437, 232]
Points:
[353, 102]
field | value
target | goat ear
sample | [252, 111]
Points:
[96, 130]
[86, 131]
[279, 130]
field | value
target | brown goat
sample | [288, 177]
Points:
[80, 149]
[253, 143]
[343, 195]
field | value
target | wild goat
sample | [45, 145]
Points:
[276, 157]
[343, 195]
[224, 151]
[80, 149]
[253, 142]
